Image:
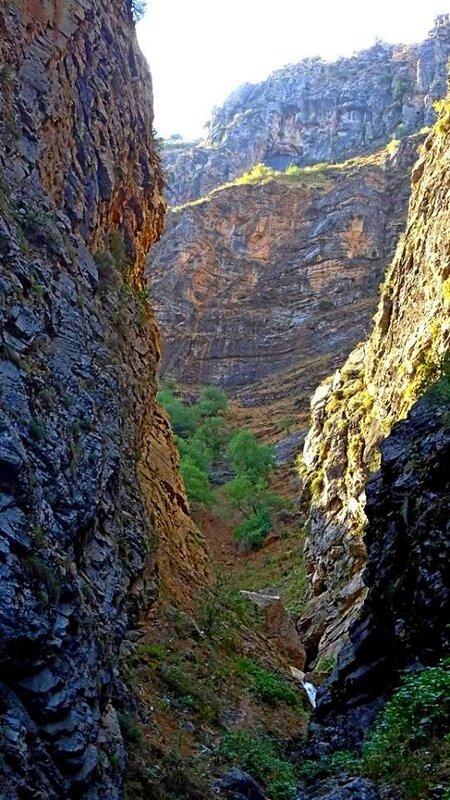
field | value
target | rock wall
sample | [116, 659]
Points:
[404, 619]
[316, 111]
[87, 466]
[354, 410]
[263, 289]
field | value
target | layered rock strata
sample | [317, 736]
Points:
[316, 111]
[354, 410]
[404, 619]
[262, 289]
[87, 467]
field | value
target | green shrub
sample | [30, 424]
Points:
[409, 745]
[418, 710]
[212, 400]
[36, 429]
[264, 760]
[184, 418]
[268, 686]
[252, 532]
[249, 457]
[196, 482]
[131, 732]
[214, 434]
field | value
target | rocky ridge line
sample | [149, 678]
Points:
[315, 111]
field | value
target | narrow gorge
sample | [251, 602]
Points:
[225, 432]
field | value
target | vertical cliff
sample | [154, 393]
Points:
[316, 111]
[263, 288]
[403, 621]
[89, 492]
[354, 410]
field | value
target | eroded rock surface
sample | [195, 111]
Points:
[263, 289]
[316, 111]
[86, 479]
[354, 410]
[404, 619]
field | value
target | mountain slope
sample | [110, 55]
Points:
[315, 111]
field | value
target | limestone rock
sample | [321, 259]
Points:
[315, 111]
[264, 289]
[375, 388]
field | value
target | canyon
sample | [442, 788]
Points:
[130, 664]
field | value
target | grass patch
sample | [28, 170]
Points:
[264, 759]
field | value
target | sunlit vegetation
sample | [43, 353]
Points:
[316, 175]
[206, 442]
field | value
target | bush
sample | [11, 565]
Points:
[196, 482]
[249, 457]
[419, 710]
[409, 746]
[268, 686]
[252, 532]
[212, 400]
[184, 418]
[263, 759]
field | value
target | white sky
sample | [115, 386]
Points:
[200, 50]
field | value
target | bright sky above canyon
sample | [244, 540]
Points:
[200, 50]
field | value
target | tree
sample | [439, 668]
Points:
[196, 482]
[248, 457]
[184, 418]
[212, 400]
[213, 433]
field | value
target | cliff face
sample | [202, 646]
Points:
[262, 289]
[316, 111]
[356, 408]
[403, 620]
[87, 467]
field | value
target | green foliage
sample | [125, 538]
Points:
[409, 746]
[196, 481]
[263, 759]
[252, 532]
[325, 665]
[195, 450]
[258, 174]
[212, 400]
[36, 429]
[39, 574]
[418, 710]
[131, 732]
[342, 761]
[250, 458]
[268, 686]
[184, 418]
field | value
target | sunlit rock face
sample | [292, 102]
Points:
[315, 111]
[355, 409]
[263, 289]
[404, 619]
[87, 467]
